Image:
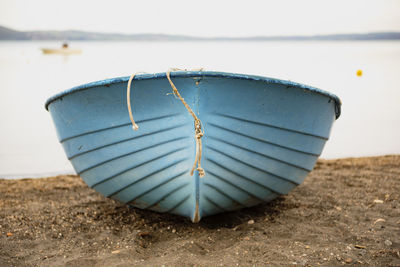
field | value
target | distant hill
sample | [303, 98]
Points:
[10, 34]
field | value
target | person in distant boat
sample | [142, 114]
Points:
[65, 45]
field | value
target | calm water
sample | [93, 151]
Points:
[369, 125]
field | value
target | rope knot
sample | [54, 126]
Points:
[198, 131]
[201, 172]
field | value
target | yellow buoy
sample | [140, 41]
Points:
[359, 73]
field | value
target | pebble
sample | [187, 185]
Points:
[379, 220]
[251, 222]
[173, 231]
[348, 260]
[388, 243]
[143, 234]
[9, 234]
[378, 201]
[362, 252]
[115, 252]
[359, 246]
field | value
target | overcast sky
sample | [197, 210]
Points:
[204, 17]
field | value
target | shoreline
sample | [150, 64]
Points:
[72, 172]
[346, 212]
[36, 175]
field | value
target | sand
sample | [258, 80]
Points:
[347, 212]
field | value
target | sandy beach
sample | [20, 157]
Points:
[347, 212]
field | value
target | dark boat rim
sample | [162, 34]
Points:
[180, 74]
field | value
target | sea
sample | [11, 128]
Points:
[369, 124]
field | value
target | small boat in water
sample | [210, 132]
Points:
[262, 136]
[64, 50]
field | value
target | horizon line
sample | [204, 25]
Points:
[96, 35]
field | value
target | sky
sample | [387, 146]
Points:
[205, 17]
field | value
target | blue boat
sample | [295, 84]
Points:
[261, 137]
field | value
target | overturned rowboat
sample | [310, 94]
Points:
[262, 136]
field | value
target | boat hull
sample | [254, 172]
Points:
[62, 51]
[262, 137]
